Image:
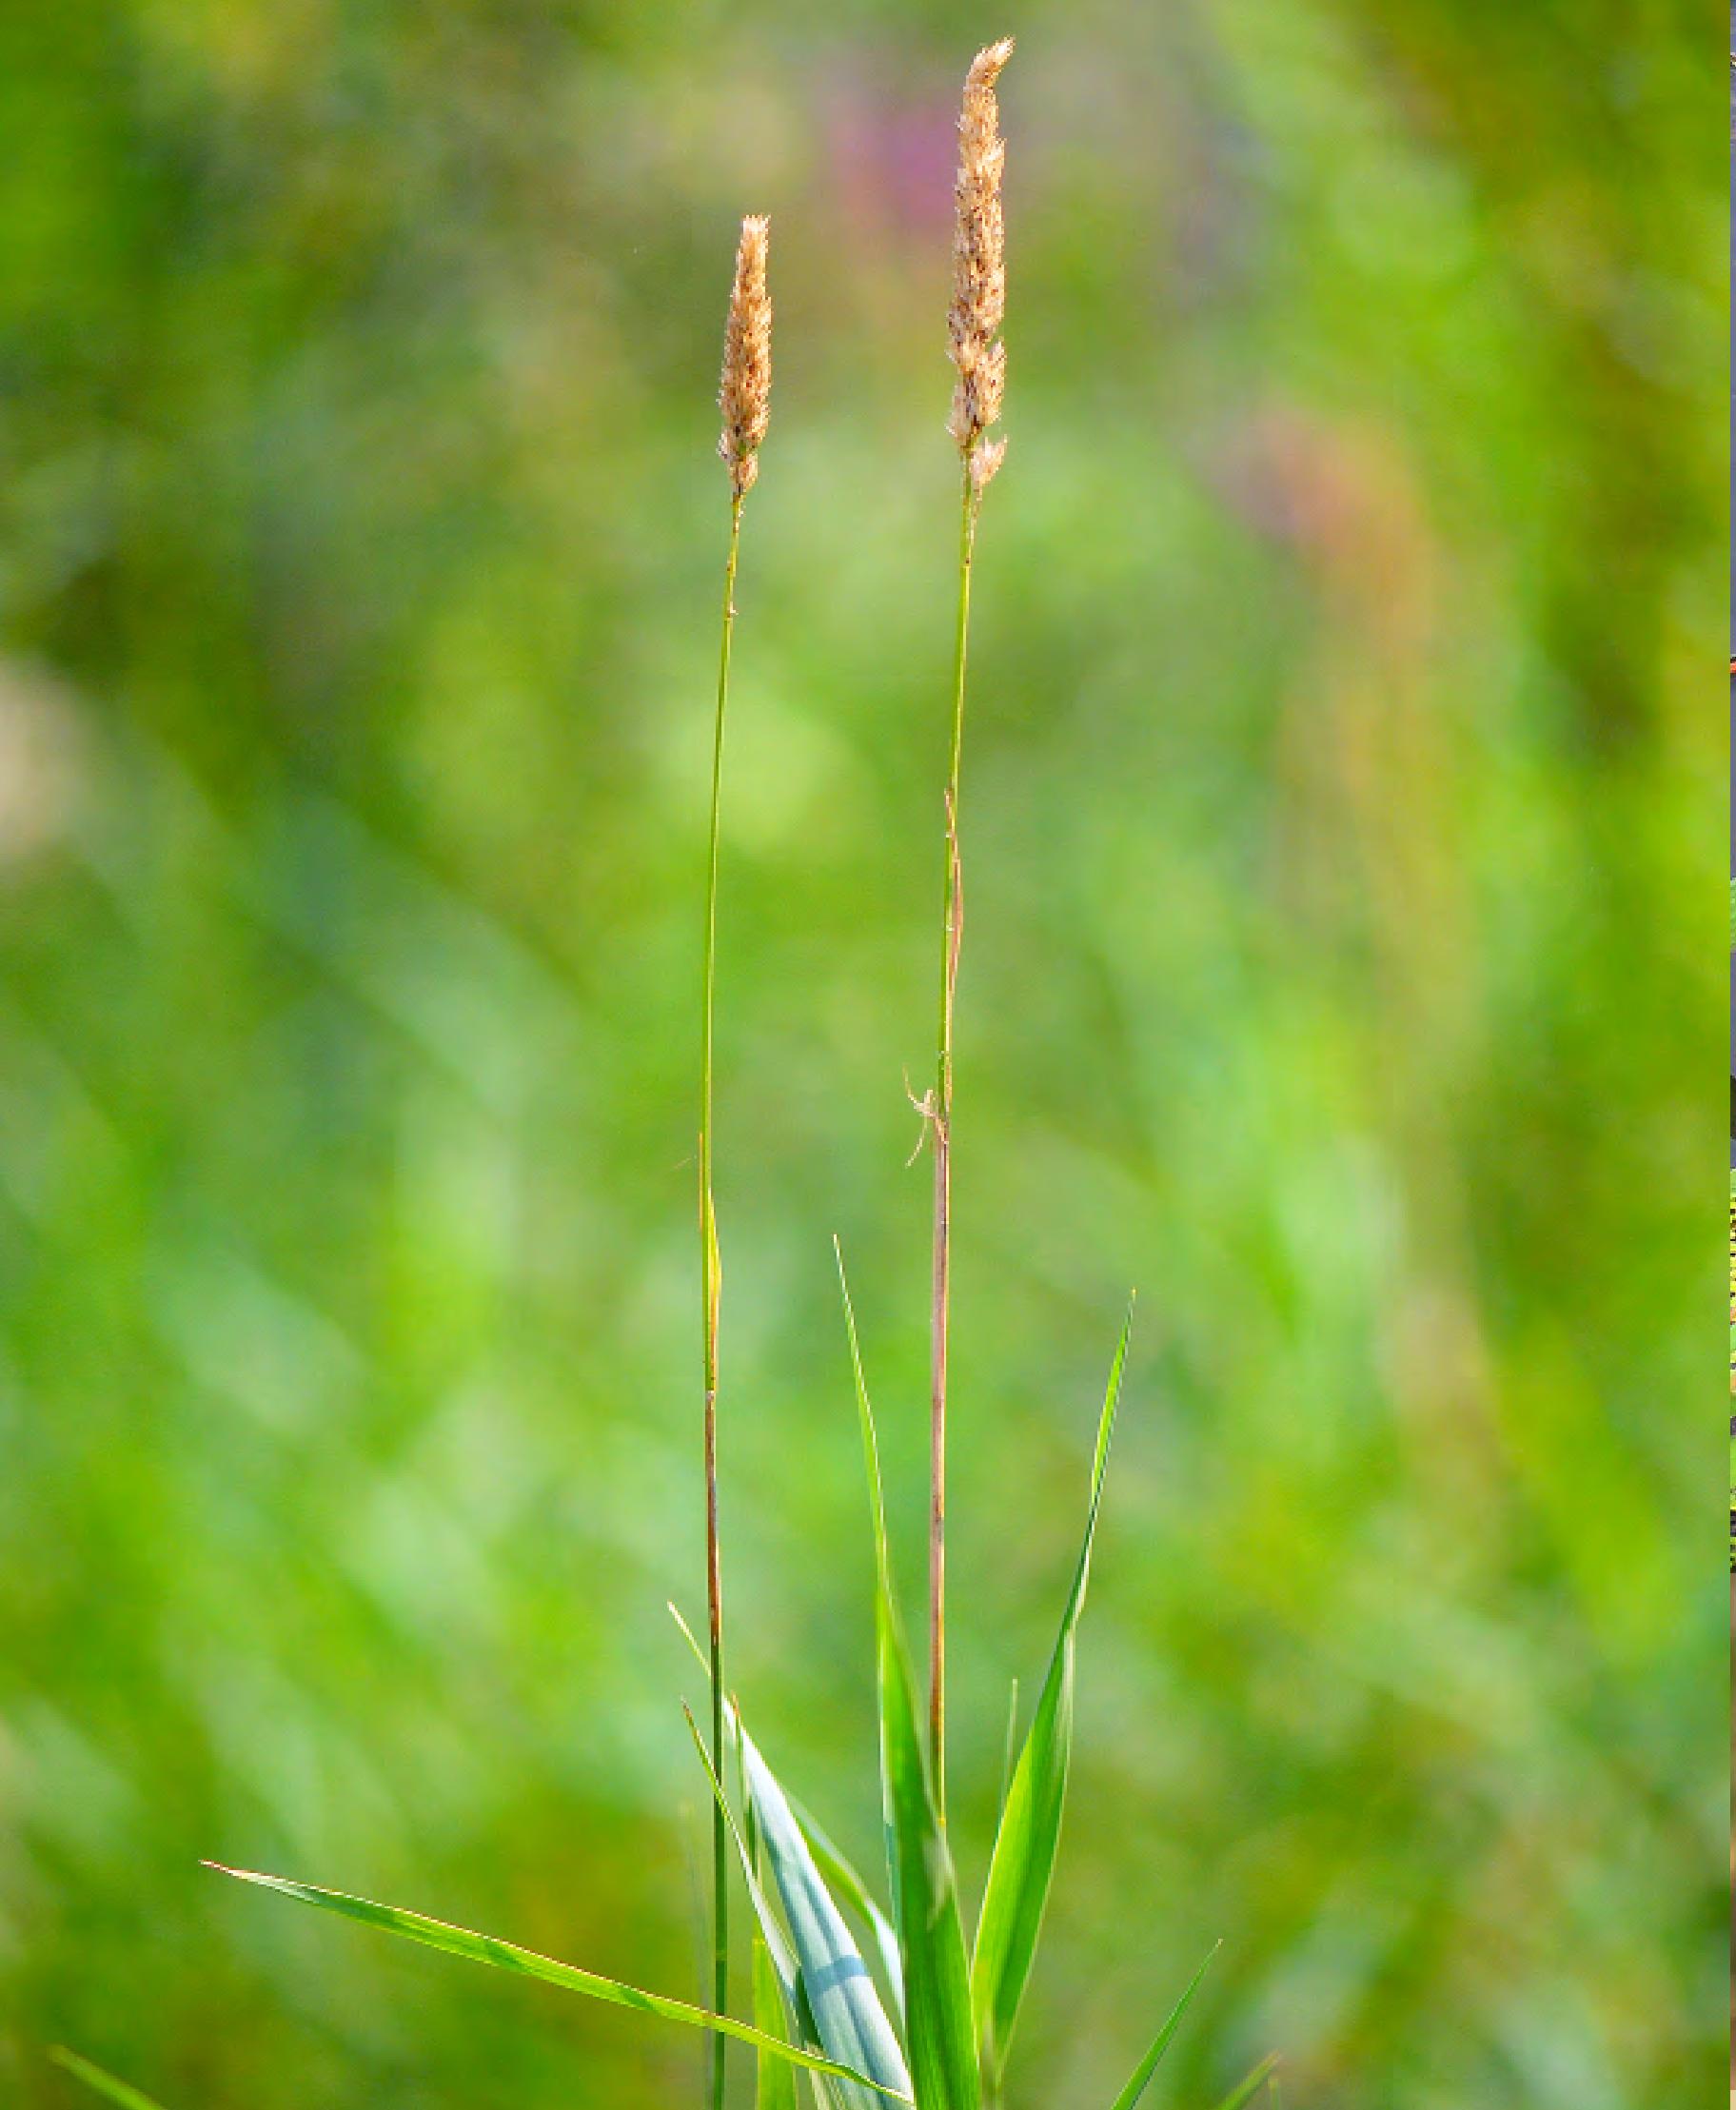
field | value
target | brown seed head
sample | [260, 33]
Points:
[979, 268]
[744, 395]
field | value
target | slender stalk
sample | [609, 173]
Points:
[744, 398]
[980, 366]
[952, 933]
[711, 1277]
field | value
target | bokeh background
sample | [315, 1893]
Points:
[1343, 804]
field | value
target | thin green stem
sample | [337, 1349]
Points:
[711, 1276]
[940, 1114]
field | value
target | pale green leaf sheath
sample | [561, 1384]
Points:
[938, 2033]
[1029, 1838]
[828, 1994]
[844, 1884]
[785, 1973]
[847, 2017]
[835, 1872]
[507, 1956]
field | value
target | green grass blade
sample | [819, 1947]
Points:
[1029, 1837]
[871, 1442]
[848, 2018]
[937, 1971]
[1245, 2091]
[1008, 1755]
[100, 2083]
[507, 1956]
[1160, 2043]
[938, 2031]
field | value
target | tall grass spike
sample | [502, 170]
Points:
[744, 394]
[979, 268]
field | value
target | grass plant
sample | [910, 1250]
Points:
[931, 2020]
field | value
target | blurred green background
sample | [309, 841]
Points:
[1343, 802]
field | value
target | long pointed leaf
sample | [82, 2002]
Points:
[100, 2083]
[507, 1956]
[848, 2018]
[937, 1971]
[925, 1893]
[1029, 1837]
[1160, 2043]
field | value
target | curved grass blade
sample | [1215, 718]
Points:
[1245, 2091]
[1160, 2043]
[1029, 1837]
[507, 1956]
[938, 2031]
[848, 2018]
[100, 2084]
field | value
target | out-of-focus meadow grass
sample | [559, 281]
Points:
[1341, 968]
